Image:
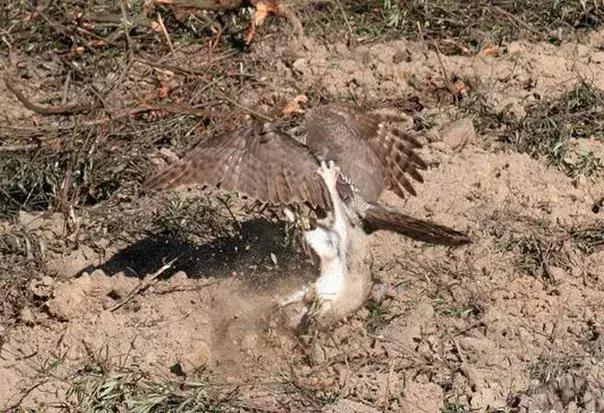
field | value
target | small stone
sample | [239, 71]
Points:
[196, 360]
[27, 316]
[317, 354]
[30, 221]
[41, 288]
[67, 303]
[168, 155]
[457, 133]
[179, 278]
[380, 292]
[98, 273]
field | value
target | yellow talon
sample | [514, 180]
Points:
[304, 223]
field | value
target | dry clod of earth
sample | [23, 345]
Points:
[515, 149]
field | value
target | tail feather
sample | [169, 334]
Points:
[378, 217]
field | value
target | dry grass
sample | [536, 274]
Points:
[550, 126]
[547, 369]
[97, 389]
[457, 26]
[550, 129]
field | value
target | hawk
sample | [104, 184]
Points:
[336, 165]
[267, 163]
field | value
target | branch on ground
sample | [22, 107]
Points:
[206, 4]
[48, 110]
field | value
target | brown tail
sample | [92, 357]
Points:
[378, 217]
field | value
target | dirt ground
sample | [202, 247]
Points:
[513, 322]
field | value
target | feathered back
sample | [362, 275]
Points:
[368, 149]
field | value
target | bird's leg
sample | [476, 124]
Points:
[330, 173]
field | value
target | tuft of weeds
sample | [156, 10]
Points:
[484, 117]
[457, 26]
[378, 316]
[15, 275]
[547, 369]
[299, 394]
[453, 406]
[536, 249]
[464, 311]
[549, 128]
[197, 219]
[101, 26]
[104, 52]
[84, 167]
[128, 389]
[588, 240]
[536, 255]
[550, 125]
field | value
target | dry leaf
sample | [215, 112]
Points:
[264, 8]
[293, 106]
[490, 50]
[163, 90]
[459, 89]
[155, 26]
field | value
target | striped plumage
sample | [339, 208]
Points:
[268, 164]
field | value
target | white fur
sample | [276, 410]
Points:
[329, 241]
[326, 243]
[330, 244]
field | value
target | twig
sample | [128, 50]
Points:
[182, 70]
[209, 83]
[162, 26]
[24, 394]
[96, 36]
[60, 28]
[341, 7]
[143, 285]
[18, 148]
[47, 110]
[126, 24]
[226, 205]
[115, 20]
[205, 4]
[513, 18]
[444, 69]
[242, 107]
[171, 290]
[66, 88]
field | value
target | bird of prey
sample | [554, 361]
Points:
[336, 165]
[267, 163]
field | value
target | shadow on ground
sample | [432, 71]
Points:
[260, 251]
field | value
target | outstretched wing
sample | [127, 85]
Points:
[395, 149]
[258, 161]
